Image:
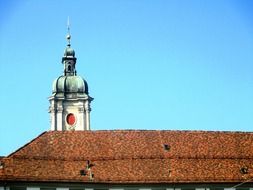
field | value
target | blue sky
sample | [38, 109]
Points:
[150, 64]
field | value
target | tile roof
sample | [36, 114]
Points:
[133, 156]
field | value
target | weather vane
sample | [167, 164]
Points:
[68, 35]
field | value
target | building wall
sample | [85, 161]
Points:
[107, 187]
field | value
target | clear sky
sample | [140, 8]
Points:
[150, 64]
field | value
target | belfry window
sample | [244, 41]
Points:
[69, 67]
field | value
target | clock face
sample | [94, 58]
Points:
[71, 119]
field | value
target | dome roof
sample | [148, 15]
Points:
[72, 84]
[69, 52]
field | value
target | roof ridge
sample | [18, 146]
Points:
[153, 130]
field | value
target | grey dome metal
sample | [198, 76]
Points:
[69, 52]
[70, 84]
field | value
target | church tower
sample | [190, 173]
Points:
[70, 101]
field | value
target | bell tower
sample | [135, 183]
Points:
[70, 101]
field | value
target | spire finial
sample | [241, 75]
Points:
[68, 35]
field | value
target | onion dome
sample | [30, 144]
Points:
[69, 52]
[70, 84]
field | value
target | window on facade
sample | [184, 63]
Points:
[238, 188]
[17, 188]
[131, 189]
[45, 188]
[159, 189]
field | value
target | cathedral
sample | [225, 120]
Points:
[71, 156]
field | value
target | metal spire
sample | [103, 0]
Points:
[68, 35]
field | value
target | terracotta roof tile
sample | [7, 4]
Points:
[130, 156]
